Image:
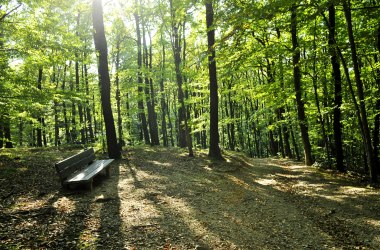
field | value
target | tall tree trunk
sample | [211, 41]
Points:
[118, 98]
[73, 132]
[149, 94]
[65, 119]
[214, 150]
[183, 128]
[163, 102]
[176, 46]
[377, 108]
[88, 109]
[39, 128]
[101, 48]
[7, 131]
[359, 86]
[298, 89]
[77, 84]
[140, 102]
[20, 132]
[1, 131]
[338, 144]
[55, 107]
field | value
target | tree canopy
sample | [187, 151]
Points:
[296, 79]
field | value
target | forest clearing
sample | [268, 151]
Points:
[162, 199]
[231, 124]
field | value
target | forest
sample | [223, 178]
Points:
[287, 78]
[234, 124]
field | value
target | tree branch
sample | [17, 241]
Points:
[9, 12]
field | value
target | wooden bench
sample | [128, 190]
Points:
[81, 168]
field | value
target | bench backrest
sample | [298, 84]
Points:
[74, 163]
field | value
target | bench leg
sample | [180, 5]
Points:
[89, 185]
[108, 172]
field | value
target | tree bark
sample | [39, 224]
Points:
[140, 102]
[65, 119]
[298, 89]
[214, 150]
[88, 109]
[1, 131]
[149, 94]
[118, 98]
[163, 102]
[7, 131]
[77, 85]
[359, 86]
[338, 144]
[101, 48]
[39, 128]
[183, 128]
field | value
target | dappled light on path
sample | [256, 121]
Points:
[162, 199]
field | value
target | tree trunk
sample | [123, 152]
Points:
[88, 109]
[359, 86]
[298, 89]
[39, 128]
[7, 131]
[377, 108]
[183, 128]
[163, 102]
[214, 150]
[140, 102]
[177, 63]
[118, 98]
[101, 48]
[65, 119]
[338, 144]
[77, 84]
[149, 94]
[20, 132]
[1, 131]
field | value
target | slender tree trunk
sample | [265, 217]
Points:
[149, 94]
[1, 131]
[39, 128]
[177, 63]
[7, 131]
[163, 103]
[140, 102]
[298, 89]
[338, 144]
[214, 150]
[55, 107]
[183, 128]
[101, 48]
[73, 131]
[376, 129]
[359, 86]
[88, 109]
[65, 119]
[20, 132]
[118, 98]
[77, 85]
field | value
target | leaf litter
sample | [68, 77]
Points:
[158, 198]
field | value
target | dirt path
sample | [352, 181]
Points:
[162, 199]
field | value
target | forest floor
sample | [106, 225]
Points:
[159, 198]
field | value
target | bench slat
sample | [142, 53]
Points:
[89, 172]
[76, 162]
[68, 161]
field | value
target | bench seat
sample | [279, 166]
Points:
[81, 168]
[89, 172]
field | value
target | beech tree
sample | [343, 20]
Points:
[104, 79]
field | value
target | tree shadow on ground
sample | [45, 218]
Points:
[245, 208]
[40, 214]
